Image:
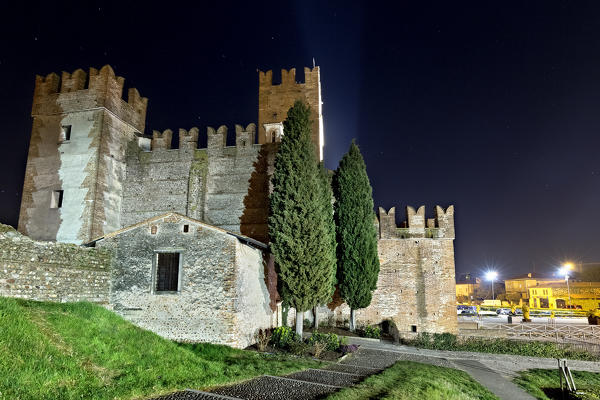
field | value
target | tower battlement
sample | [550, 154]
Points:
[54, 94]
[274, 101]
[415, 225]
[288, 77]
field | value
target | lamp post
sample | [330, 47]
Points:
[565, 271]
[491, 276]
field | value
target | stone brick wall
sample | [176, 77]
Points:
[274, 101]
[89, 167]
[416, 285]
[225, 186]
[48, 271]
[222, 297]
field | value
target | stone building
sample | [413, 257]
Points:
[93, 177]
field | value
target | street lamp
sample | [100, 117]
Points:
[565, 272]
[491, 276]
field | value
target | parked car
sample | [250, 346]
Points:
[503, 311]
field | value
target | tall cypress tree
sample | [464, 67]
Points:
[357, 258]
[299, 223]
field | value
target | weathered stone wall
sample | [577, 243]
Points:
[274, 101]
[47, 271]
[222, 296]
[223, 186]
[90, 166]
[416, 285]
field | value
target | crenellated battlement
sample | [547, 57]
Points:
[162, 140]
[288, 77]
[415, 225]
[68, 93]
[216, 138]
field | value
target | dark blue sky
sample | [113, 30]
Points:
[492, 107]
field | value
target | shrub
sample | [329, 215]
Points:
[263, 337]
[447, 341]
[298, 347]
[283, 336]
[319, 347]
[307, 323]
[331, 340]
[348, 348]
[373, 331]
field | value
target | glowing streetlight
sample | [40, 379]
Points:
[491, 276]
[564, 271]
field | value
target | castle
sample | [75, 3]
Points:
[175, 239]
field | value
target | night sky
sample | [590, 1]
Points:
[492, 106]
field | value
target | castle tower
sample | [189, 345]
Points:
[274, 101]
[76, 162]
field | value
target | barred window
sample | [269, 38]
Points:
[167, 272]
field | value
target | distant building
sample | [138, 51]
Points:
[578, 295]
[467, 286]
[517, 288]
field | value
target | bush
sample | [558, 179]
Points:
[448, 341]
[373, 331]
[331, 340]
[318, 348]
[263, 337]
[307, 323]
[298, 347]
[283, 337]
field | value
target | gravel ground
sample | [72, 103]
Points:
[353, 369]
[372, 358]
[193, 395]
[272, 388]
[327, 377]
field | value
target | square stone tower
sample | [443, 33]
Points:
[76, 162]
[274, 101]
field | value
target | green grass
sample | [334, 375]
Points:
[81, 350]
[544, 384]
[447, 341]
[411, 380]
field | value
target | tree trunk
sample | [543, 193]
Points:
[299, 323]
[316, 315]
[352, 320]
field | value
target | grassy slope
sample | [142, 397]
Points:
[544, 384]
[411, 380]
[81, 350]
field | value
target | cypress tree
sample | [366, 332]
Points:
[299, 224]
[357, 258]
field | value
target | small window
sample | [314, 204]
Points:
[65, 133]
[273, 136]
[413, 328]
[153, 229]
[167, 272]
[186, 228]
[57, 199]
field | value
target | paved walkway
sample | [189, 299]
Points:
[493, 371]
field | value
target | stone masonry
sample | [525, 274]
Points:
[415, 288]
[50, 271]
[222, 295]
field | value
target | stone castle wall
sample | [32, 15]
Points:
[416, 285]
[49, 271]
[225, 186]
[88, 166]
